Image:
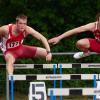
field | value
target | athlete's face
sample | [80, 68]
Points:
[21, 25]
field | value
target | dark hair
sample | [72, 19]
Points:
[97, 16]
[21, 16]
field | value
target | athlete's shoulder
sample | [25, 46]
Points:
[4, 29]
[29, 29]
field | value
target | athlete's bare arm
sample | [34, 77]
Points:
[4, 30]
[38, 36]
[88, 27]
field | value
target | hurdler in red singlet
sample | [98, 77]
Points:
[12, 37]
[86, 45]
[13, 44]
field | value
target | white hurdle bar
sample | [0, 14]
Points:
[73, 91]
[32, 77]
[80, 65]
[64, 53]
[49, 66]
[30, 66]
[69, 53]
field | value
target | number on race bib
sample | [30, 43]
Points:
[13, 44]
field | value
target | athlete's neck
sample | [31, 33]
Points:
[16, 31]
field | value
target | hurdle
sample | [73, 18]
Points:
[69, 53]
[63, 53]
[80, 65]
[32, 77]
[52, 95]
[74, 91]
[55, 77]
[46, 66]
[74, 65]
[50, 66]
[63, 91]
[23, 66]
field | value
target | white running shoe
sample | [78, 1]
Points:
[80, 55]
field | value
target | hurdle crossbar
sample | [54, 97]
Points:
[30, 77]
[73, 91]
[80, 65]
[63, 53]
[69, 53]
[30, 66]
[49, 66]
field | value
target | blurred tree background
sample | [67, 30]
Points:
[51, 18]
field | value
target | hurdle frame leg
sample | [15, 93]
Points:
[61, 98]
[7, 87]
[12, 88]
[54, 82]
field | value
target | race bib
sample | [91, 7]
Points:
[13, 44]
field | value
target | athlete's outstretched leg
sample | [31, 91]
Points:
[41, 52]
[84, 46]
[9, 63]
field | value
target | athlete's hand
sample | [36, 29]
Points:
[54, 40]
[48, 57]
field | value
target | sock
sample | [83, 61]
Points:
[9, 76]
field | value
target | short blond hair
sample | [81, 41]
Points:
[21, 16]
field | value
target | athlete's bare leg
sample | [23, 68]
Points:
[9, 63]
[83, 45]
[41, 52]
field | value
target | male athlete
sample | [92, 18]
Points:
[87, 44]
[12, 37]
